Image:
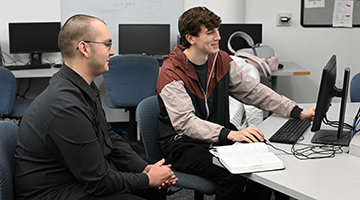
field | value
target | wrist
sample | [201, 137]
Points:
[146, 169]
[295, 113]
[230, 136]
[223, 137]
[149, 178]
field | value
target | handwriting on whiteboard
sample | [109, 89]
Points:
[151, 7]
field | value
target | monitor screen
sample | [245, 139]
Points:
[33, 37]
[150, 39]
[327, 91]
[254, 30]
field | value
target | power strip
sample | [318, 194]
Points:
[354, 146]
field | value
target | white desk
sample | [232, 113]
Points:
[330, 178]
[289, 69]
[35, 73]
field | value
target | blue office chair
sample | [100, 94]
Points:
[147, 113]
[130, 79]
[10, 107]
[8, 135]
[355, 88]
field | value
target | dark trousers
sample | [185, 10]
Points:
[196, 159]
[151, 193]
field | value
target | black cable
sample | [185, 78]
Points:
[356, 119]
[312, 151]
[335, 124]
[278, 149]
[13, 61]
[26, 90]
[315, 151]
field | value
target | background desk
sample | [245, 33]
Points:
[330, 178]
[289, 69]
[35, 73]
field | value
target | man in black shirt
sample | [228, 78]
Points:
[66, 149]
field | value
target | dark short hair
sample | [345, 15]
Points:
[75, 29]
[191, 20]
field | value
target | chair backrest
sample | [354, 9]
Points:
[7, 90]
[355, 88]
[8, 135]
[147, 115]
[130, 79]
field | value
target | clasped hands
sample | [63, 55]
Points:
[160, 175]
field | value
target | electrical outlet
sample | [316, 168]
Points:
[283, 19]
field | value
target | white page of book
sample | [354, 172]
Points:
[247, 160]
[241, 149]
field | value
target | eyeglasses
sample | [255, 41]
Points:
[108, 44]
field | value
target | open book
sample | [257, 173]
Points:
[246, 157]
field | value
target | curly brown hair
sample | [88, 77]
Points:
[191, 20]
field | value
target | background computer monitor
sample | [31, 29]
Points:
[327, 91]
[254, 30]
[150, 39]
[34, 38]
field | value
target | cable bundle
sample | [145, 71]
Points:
[356, 122]
[312, 151]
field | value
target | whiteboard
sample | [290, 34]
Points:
[115, 12]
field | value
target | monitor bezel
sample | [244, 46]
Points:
[31, 50]
[165, 49]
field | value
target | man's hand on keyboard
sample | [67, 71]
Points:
[249, 134]
[307, 113]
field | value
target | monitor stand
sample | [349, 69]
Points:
[35, 58]
[336, 137]
[331, 137]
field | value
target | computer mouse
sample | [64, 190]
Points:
[57, 65]
[257, 141]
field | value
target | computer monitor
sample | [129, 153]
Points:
[34, 38]
[150, 39]
[327, 91]
[254, 30]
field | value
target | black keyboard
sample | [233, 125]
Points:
[25, 67]
[291, 131]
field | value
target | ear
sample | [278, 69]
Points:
[190, 38]
[83, 48]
